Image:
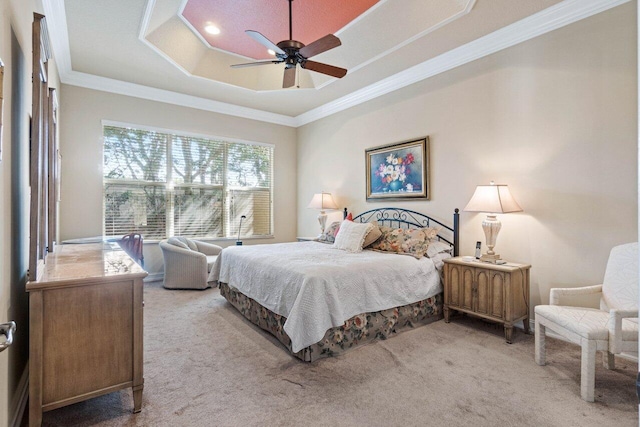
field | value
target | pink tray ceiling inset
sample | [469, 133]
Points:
[312, 19]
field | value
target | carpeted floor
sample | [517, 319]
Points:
[205, 365]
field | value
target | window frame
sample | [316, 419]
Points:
[169, 186]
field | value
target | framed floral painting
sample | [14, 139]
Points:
[398, 171]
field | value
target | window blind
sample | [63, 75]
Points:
[135, 207]
[198, 212]
[162, 184]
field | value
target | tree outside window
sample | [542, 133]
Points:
[160, 184]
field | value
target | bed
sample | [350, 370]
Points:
[319, 301]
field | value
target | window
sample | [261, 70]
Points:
[161, 184]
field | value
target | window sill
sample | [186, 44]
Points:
[217, 239]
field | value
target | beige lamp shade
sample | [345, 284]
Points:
[494, 198]
[322, 201]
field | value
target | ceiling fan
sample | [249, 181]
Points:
[292, 52]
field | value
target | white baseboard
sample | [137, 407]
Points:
[21, 402]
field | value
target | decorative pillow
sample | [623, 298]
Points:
[373, 235]
[329, 235]
[351, 236]
[437, 247]
[431, 232]
[413, 242]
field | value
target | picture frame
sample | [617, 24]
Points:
[398, 171]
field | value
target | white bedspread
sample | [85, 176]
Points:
[317, 287]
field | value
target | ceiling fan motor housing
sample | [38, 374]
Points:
[291, 47]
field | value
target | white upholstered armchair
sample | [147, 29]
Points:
[612, 329]
[187, 262]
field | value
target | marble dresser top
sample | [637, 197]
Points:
[70, 264]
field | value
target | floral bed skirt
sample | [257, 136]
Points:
[359, 329]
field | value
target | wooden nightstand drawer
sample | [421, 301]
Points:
[495, 292]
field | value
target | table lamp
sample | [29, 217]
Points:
[322, 201]
[492, 199]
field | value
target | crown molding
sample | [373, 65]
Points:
[146, 17]
[550, 19]
[105, 84]
[58, 35]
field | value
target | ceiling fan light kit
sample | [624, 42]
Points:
[292, 52]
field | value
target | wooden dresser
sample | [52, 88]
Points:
[85, 328]
[499, 293]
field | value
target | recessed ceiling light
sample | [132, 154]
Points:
[212, 29]
[271, 52]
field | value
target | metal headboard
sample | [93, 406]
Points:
[404, 218]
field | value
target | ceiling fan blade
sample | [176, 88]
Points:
[265, 41]
[321, 45]
[324, 68]
[289, 77]
[252, 64]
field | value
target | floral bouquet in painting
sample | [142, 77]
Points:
[395, 173]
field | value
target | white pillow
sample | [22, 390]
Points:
[437, 247]
[351, 236]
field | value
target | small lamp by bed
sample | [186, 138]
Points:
[492, 199]
[323, 201]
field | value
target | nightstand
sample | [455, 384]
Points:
[306, 239]
[499, 293]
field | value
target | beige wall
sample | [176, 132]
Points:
[82, 112]
[554, 117]
[16, 17]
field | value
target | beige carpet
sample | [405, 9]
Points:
[206, 366]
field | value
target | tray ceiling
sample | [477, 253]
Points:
[153, 48]
[367, 34]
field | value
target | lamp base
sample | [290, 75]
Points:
[322, 219]
[491, 258]
[491, 226]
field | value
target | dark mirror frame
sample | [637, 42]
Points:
[43, 168]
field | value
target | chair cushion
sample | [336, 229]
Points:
[177, 242]
[183, 242]
[192, 245]
[211, 259]
[620, 285]
[589, 323]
